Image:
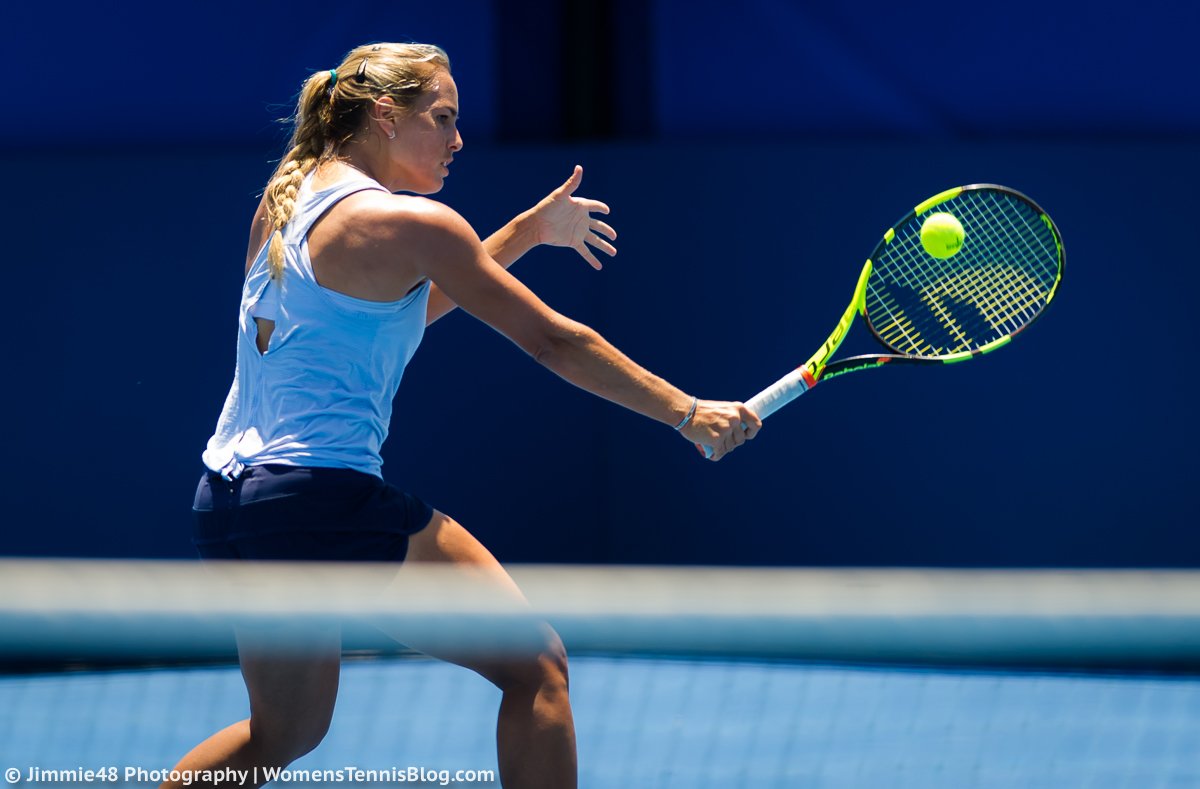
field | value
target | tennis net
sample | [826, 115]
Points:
[681, 677]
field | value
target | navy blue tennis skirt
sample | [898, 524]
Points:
[289, 513]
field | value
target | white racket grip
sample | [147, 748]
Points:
[777, 395]
[782, 392]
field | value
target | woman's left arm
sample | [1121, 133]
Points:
[560, 219]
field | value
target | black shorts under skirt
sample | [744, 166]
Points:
[291, 513]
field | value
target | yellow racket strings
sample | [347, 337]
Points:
[1003, 276]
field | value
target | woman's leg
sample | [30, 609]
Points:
[535, 733]
[291, 703]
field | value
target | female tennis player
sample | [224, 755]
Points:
[342, 277]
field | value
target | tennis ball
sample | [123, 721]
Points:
[942, 235]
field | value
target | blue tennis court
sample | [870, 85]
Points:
[646, 722]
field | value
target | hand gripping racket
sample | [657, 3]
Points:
[929, 310]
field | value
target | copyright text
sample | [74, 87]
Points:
[251, 777]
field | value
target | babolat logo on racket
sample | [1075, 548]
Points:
[957, 277]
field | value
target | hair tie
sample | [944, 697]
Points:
[332, 77]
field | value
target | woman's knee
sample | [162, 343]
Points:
[545, 669]
[552, 660]
[282, 741]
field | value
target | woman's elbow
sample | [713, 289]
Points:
[558, 346]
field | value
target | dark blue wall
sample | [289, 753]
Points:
[744, 217]
[88, 74]
[782, 68]
[212, 73]
[1075, 445]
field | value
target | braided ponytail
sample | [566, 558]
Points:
[281, 202]
[333, 108]
[309, 146]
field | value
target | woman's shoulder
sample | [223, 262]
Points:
[404, 218]
[383, 230]
[377, 207]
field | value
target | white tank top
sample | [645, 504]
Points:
[322, 393]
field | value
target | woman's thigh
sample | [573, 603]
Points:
[446, 543]
[292, 680]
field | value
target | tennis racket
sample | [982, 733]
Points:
[928, 310]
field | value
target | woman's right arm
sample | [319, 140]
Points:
[444, 248]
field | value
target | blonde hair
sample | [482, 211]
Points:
[332, 110]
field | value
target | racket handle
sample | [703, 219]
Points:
[776, 396]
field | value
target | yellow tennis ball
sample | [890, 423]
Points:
[942, 235]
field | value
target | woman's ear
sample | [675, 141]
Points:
[383, 112]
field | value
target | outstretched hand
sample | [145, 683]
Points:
[563, 220]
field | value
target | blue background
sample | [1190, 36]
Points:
[752, 156]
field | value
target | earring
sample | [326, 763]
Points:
[392, 135]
